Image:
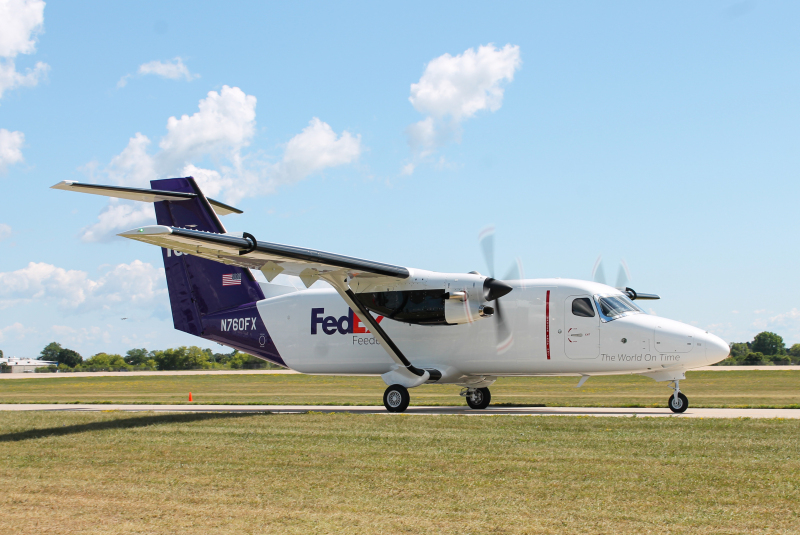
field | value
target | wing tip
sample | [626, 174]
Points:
[149, 230]
[64, 184]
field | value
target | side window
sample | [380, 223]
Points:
[582, 307]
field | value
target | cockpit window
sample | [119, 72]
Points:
[582, 307]
[616, 306]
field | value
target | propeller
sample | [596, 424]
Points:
[494, 289]
[623, 279]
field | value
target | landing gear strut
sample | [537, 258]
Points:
[678, 402]
[396, 398]
[477, 398]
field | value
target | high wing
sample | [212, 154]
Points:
[271, 258]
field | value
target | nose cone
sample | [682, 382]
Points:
[494, 289]
[716, 349]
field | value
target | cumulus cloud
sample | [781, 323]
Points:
[10, 148]
[118, 217]
[5, 231]
[137, 284]
[18, 330]
[224, 123]
[172, 70]
[787, 324]
[316, 148]
[20, 23]
[218, 133]
[455, 88]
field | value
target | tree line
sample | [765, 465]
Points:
[180, 358]
[765, 348]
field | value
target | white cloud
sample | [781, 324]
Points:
[133, 166]
[10, 78]
[174, 70]
[17, 329]
[20, 23]
[224, 124]
[117, 217]
[455, 88]
[5, 231]
[10, 148]
[316, 148]
[786, 324]
[125, 285]
[221, 130]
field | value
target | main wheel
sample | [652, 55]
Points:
[678, 405]
[396, 398]
[479, 398]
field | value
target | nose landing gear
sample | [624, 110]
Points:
[477, 398]
[678, 403]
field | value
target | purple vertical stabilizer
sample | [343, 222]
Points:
[201, 289]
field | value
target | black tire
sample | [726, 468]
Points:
[480, 399]
[396, 398]
[679, 405]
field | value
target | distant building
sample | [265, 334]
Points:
[17, 365]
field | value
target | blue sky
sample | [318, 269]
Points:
[664, 134]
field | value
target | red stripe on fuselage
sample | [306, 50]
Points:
[547, 324]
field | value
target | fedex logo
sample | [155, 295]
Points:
[344, 325]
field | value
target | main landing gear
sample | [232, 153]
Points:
[678, 402]
[477, 398]
[396, 398]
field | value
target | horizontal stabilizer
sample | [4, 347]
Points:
[244, 252]
[140, 194]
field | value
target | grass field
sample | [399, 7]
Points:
[764, 389]
[314, 473]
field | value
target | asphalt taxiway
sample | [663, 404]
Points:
[414, 410]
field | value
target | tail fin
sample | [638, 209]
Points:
[209, 299]
[199, 287]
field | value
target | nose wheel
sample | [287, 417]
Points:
[478, 398]
[678, 403]
[396, 398]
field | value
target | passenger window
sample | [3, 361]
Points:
[582, 307]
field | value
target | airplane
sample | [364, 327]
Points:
[410, 326]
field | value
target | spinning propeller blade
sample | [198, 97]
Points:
[598, 273]
[495, 289]
[623, 276]
[623, 279]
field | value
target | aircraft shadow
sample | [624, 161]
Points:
[125, 423]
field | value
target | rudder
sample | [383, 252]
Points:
[199, 287]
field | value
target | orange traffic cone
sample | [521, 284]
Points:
[190, 396]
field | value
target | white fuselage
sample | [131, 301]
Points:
[313, 333]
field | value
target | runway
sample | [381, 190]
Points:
[413, 411]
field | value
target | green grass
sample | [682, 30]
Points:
[150, 473]
[774, 389]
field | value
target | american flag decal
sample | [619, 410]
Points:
[232, 279]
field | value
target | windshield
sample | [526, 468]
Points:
[616, 306]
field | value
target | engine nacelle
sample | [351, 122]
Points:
[429, 298]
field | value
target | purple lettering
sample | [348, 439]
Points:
[329, 325]
[316, 317]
